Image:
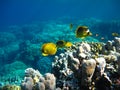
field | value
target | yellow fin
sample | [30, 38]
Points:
[44, 54]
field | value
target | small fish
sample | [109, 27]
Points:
[96, 35]
[62, 44]
[102, 38]
[115, 34]
[82, 32]
[68, 44]
[49, 49]
[71, 26]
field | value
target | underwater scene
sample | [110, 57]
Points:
[59, 45]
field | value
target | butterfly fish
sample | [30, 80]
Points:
[82, 32]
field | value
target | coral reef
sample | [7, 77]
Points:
[12, 73]
[35, 81]
[8, 48]
[6, 38]
[86, 69]
[10, 87]
[28, 53]
[83, 66]
[42, 63]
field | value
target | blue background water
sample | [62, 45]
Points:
[26, 11]
[31, 23]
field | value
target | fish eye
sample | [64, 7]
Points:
[88, 33]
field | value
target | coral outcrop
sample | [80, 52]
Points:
[35, 81]
[85, 67]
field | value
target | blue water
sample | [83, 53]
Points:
[25, 25]
[19, 12]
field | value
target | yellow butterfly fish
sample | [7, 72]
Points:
[115, 34]
[49, 49]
